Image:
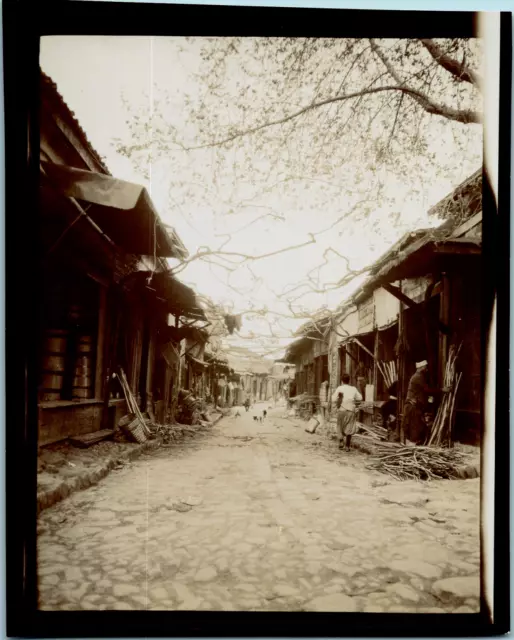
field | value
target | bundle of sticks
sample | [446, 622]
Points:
[416, 463]
[442, 428]
[374, 431]
[388, 371]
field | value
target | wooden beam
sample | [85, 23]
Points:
[397, 293]
[444, 316]
[100, 346]
[469, 224]
[455, 250]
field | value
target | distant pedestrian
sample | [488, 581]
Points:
[347, 399]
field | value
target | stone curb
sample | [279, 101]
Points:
[46, 499]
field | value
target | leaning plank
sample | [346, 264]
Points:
[91, 438]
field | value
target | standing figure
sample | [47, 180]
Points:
[347, 398]
[360, 375]
[414, 423]
[389, 410]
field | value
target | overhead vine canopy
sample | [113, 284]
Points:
[324, 99]
[326, 142]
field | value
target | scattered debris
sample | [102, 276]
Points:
[88, 440]
[174, 432]
[375, 484]
[181, 507]
[312, 426]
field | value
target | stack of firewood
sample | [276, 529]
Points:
[416, 463]
[443, 423]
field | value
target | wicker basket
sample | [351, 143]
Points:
[134, 429]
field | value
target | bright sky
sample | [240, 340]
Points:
[95, 74]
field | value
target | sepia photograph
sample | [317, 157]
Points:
[263, 339]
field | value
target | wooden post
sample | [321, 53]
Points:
[402, 386]
[444, 317]
[110, 350]
[149, 373]
[101, 343]
[375, 367]
[176, 380]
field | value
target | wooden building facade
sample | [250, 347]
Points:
[106, 290]
[422, 297]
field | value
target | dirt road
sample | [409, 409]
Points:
[264, 517]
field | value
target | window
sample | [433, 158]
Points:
[69, 332]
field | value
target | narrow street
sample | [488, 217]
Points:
[265, 517]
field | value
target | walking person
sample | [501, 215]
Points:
[347, 399]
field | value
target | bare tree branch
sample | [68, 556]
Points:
[458, 69]
[464, 116]
[205, 251]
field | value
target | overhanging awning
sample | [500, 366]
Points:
[355, 337]
[423, 257]
[194, 361]
[388, 325]
[124, 211]
[180, 299]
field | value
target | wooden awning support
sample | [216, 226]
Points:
[395, 291]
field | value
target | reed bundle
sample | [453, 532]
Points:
[443, 424]
[374, 431]
[416, 463]
[388, 371]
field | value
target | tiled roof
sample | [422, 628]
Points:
[50, 87]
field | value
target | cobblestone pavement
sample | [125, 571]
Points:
[264, 517]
